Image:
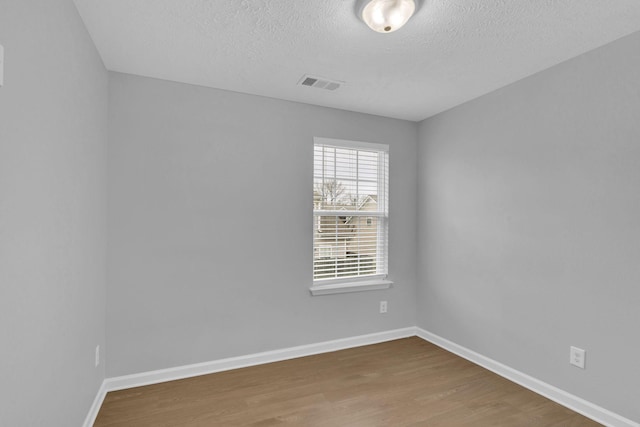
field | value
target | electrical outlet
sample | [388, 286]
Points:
[97, 355]
[577, 356]
[383, 306]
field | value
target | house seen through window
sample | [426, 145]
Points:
[350, 208]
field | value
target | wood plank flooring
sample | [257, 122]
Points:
[406, 382]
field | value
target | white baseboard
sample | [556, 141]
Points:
[575, 403]
[187, 371]
[568, 400]
[95, 406]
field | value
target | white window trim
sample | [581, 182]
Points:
[357, 145]
[353, 284]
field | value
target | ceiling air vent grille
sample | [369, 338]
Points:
[319, 82]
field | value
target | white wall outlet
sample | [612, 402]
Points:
[383, 306]
[577, 356]
[97, 355]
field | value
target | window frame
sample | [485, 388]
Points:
[376, 281]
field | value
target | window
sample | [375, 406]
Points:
[351, 216]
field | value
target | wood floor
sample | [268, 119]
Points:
[407, 382]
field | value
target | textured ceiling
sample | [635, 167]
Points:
[451, 51]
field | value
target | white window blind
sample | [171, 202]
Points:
[351, 210]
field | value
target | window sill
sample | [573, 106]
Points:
[341, 288]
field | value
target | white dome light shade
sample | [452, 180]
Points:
[386, 16]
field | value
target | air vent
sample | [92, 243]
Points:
[319, 82]
[308, 81]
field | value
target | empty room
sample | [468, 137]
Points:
[319, 213]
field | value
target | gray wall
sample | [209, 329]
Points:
[529, 225]
[53, 134]
[210, 222]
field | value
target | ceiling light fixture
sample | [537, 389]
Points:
[386, 16]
